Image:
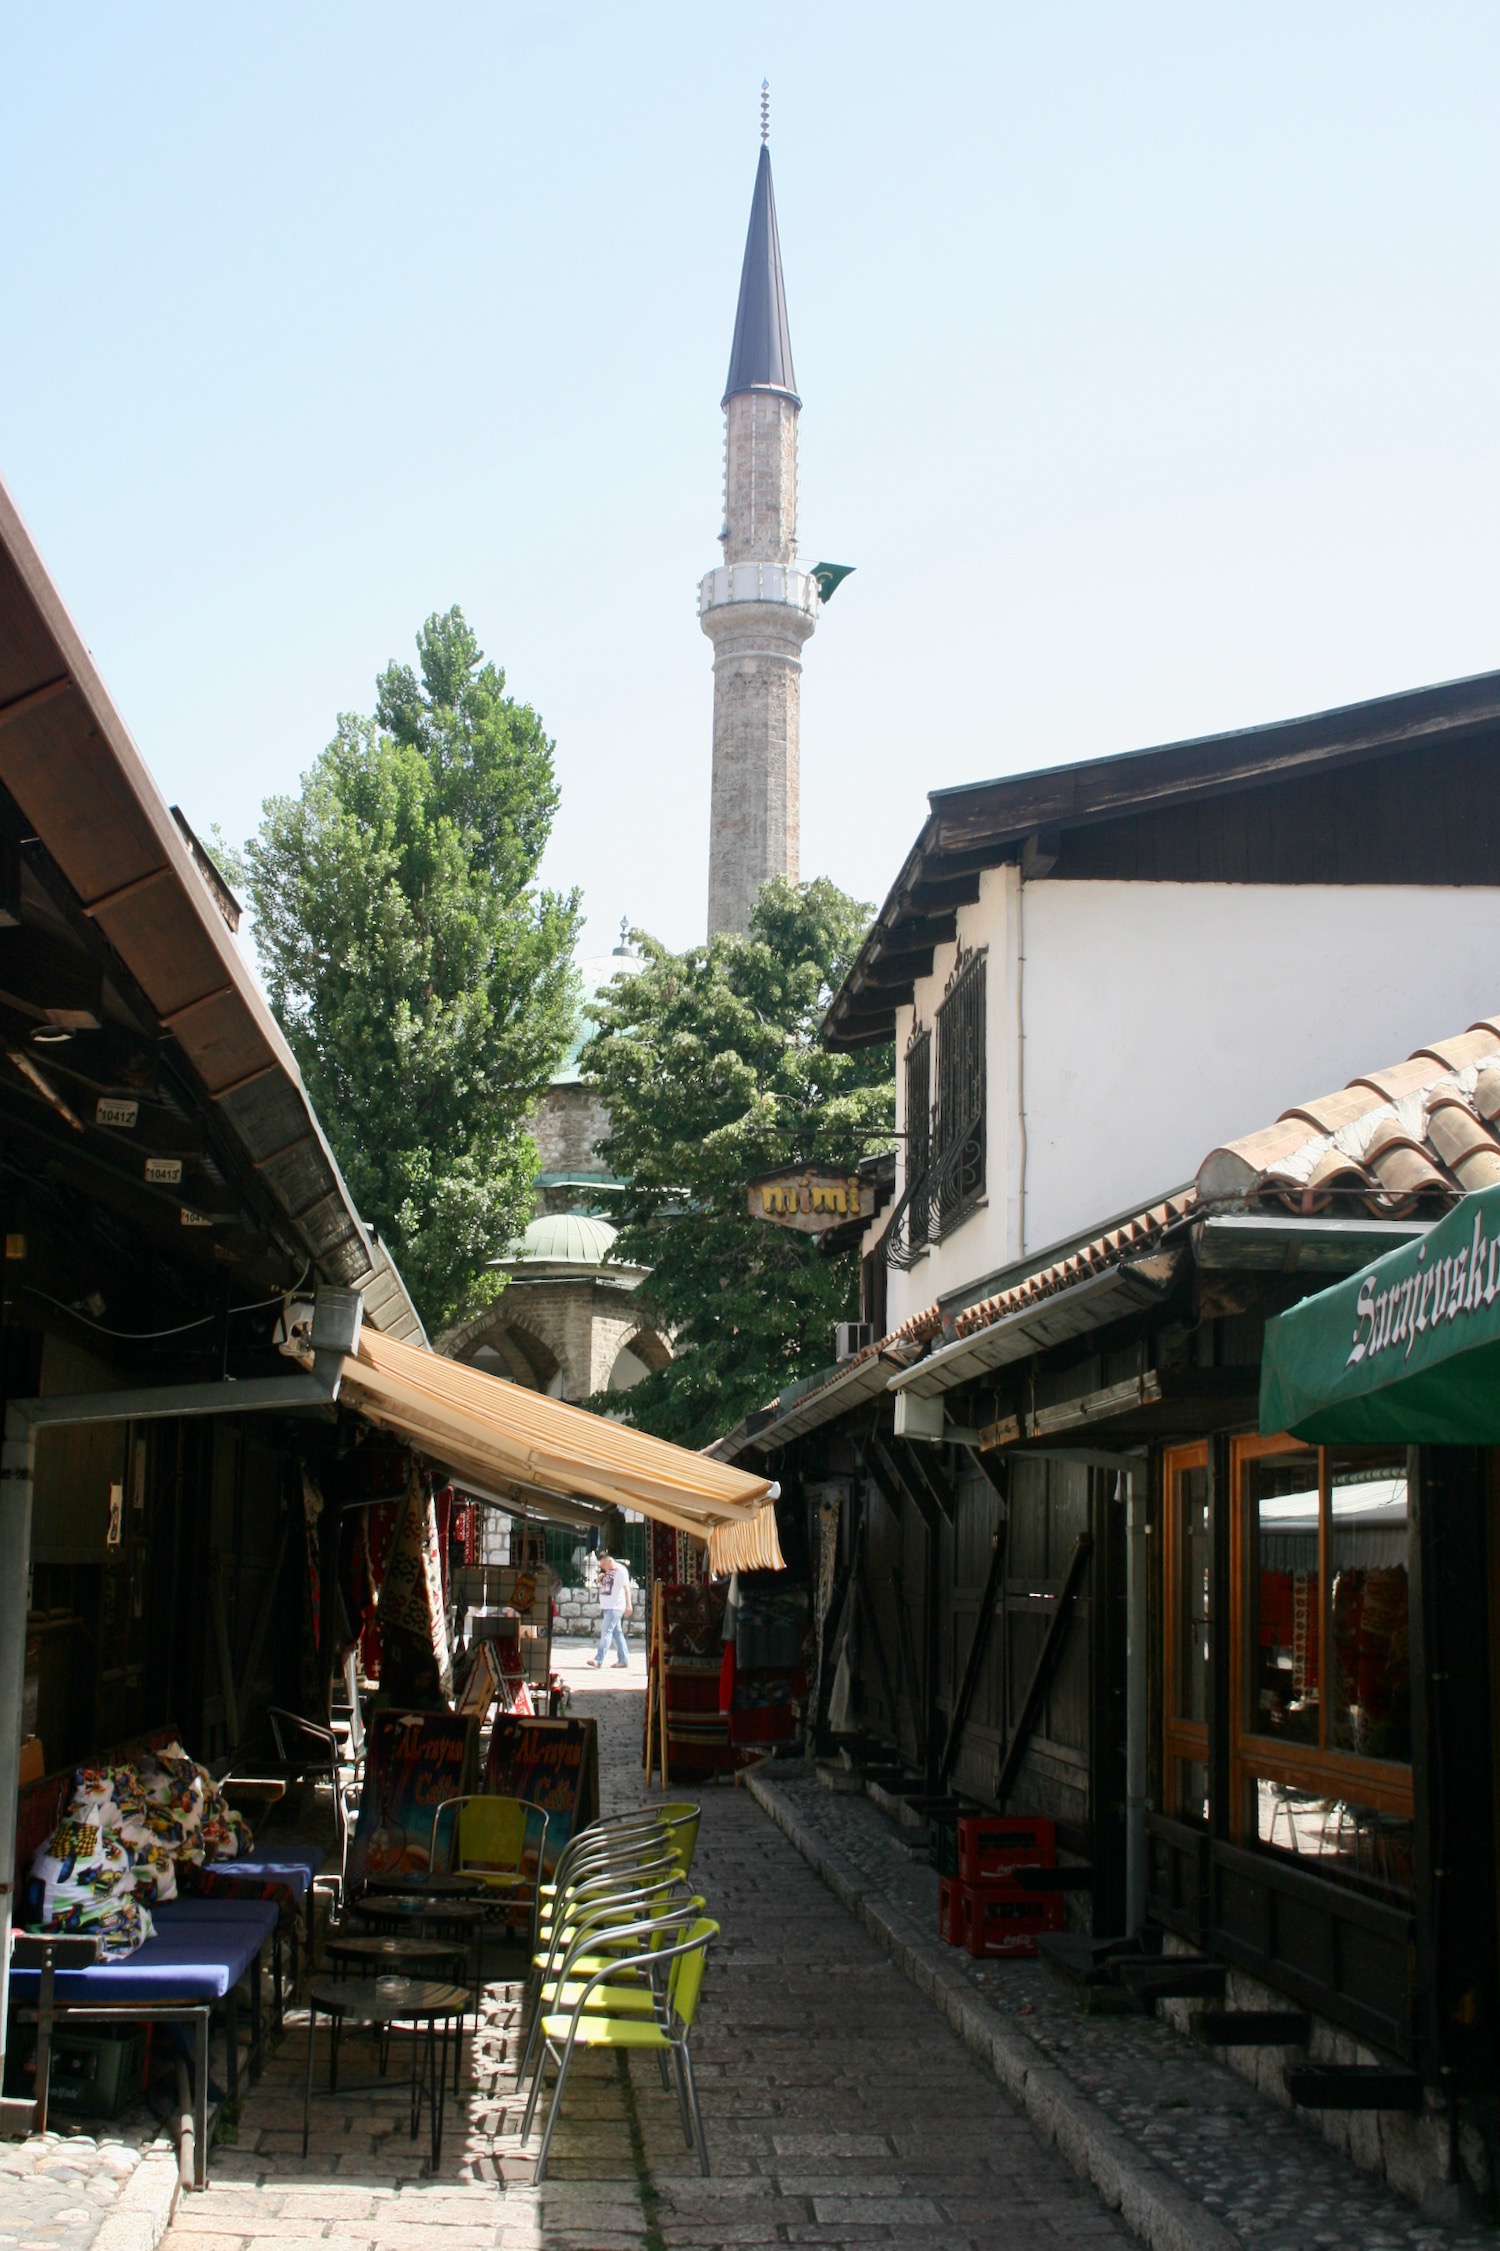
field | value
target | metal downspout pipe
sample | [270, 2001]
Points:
[336, 1323]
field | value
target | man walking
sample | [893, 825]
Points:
[615, 1606]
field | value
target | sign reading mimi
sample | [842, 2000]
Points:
[809, 1200]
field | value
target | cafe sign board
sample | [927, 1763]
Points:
[810, 1200]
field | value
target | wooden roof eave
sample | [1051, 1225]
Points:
[69, 761]
[978, 825]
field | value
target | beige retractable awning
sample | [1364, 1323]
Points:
[746, 1547]
[494, 1435]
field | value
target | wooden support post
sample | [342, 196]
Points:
[1015, 1749]
[910, 1678]
[651, 1685]
[977, 1647]
[661, 1683]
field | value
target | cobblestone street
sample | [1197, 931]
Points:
[840, 2109]
[1239, 2168]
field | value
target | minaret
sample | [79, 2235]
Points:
[757, 608]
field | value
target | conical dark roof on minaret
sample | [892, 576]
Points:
[761, 355]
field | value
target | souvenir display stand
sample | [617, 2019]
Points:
[687, 1736]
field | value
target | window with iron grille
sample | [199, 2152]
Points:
[958, 1126]
[918, 1132]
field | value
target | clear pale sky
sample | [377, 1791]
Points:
[1150, 359]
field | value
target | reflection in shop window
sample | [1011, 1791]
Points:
[1343, 1838]
[1194, 1615]
[1283, 1496]
[1369, 1669]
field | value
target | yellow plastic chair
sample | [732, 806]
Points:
[622, 1835]
[596, 1949]
[565, 2032]
[612, 1903]
[487, 1845]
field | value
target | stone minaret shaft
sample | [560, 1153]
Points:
[757, 608]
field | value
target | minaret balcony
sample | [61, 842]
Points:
[781, 583]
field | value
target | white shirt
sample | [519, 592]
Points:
[614, 1588]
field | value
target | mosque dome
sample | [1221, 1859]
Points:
[595, 972]
[564, 1238]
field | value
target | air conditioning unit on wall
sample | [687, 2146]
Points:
[850, 1337]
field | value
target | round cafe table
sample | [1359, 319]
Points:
[428, 2007]
[404, 1956]
[421, 1914]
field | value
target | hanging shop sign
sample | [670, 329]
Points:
[810, 1200]
[1405, 1351]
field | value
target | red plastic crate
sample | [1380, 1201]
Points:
[990, 1844]
[950, 1910]
[1001, 1919]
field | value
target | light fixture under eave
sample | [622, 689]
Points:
[50, 1035]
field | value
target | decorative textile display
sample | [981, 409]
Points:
[764, 1670]
[127, 1834]
[414, 1662]
[312, 1509]
[684, 1724]
[677, 1559]
[413, 1761]
[829, 1503]
[1371, 1712]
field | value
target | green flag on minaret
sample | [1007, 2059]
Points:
[830, 576]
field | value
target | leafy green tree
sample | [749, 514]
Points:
[713, 1070]
[424, 982]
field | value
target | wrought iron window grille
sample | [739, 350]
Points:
[918, 1159]
[943, 1186]
[959, 1109]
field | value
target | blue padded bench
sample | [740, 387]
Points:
[281, 1873]
[280, 1868]
[201, 1951]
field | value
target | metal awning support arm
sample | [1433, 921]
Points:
[336, 1322]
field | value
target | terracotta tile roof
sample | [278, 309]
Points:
[1130, 1238]
[1423, 1131]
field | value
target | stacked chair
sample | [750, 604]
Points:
[621, 1945]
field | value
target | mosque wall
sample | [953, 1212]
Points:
[567, 1127]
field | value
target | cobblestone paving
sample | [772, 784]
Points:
[840, 2109]
[58, 2189]
[1261, 2171]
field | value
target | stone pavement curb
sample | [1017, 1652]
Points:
[1151, 2205]
[144, 2208]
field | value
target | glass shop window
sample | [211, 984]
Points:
[1369, 1664]
[1189, 1632]
[1281, 1494]
[1322, 1744]
[1193, 1623]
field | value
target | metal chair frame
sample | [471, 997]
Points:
[677, 2044]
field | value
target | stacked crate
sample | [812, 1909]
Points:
[983, 1908]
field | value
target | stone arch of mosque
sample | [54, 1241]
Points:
[511, 1348]
[568, 1322]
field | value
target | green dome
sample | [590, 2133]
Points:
[565, 1238]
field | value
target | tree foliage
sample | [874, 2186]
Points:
[425, 984]
[712, 1068]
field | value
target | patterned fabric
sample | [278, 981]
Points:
[693, 1620]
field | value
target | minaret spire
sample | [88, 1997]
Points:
[757, 608]
[760, 358]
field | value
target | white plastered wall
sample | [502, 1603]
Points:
[1161, 1019]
